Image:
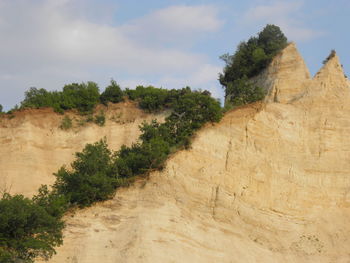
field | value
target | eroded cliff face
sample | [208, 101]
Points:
[269, 183]
[33, 146]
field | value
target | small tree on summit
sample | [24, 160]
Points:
[330, 56]
[113, 93]
[249, 60]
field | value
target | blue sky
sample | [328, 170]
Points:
[168, 43]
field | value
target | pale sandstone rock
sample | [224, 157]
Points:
[269, 183]
[33, 146]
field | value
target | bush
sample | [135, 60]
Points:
[100, 119]
[83, 97]
[250, 59]
[66, 123]
[112, 93]
[1, 108]
[244, 92]
[27, 230]
[91, 178]
[330, 56]
[150, 98]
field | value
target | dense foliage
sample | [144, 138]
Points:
[112, 93]
[250, 58]
[91, 178]
[1, 108]
[82, 97]
[152, 99]
[27, 230]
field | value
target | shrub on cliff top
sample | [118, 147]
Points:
[82, 97]
[250, 59]
[112, 93]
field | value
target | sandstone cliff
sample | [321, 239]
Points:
[269, 183]
[33, 146]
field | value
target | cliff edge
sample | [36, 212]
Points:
[269, 183]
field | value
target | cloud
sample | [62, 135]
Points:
[174, 24]
[44, 44]
[284, 14]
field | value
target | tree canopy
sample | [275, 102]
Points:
[250, 59]
[113, 93]
[27, 230]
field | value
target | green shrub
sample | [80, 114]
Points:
[112, 93]
[150, 98]
[243, 92]
[27, 230]
[1, 108]
[91, 178]
[83, 97]
[250, 59]
[66, 123]
[55, 204]
[100, 119]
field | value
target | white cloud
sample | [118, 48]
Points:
[284, 14]
[185, 18]
[174, 24]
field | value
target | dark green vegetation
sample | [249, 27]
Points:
[32, 228]
[1, 108]
[82, 97]
[100, 119]
[66, 123]
[91, 177]
[112, 93]
[249, 60]
[27, 229]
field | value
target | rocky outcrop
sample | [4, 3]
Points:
[287, 77]
[269, 183]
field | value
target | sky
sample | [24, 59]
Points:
[164, 43]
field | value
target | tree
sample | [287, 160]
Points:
[1, 108]
[272, 39]
[91, 178]
[27, 230]
[112, 93]
[249, 60]
[82, 97]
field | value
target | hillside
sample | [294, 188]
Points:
[269, 183]
[33, 136]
